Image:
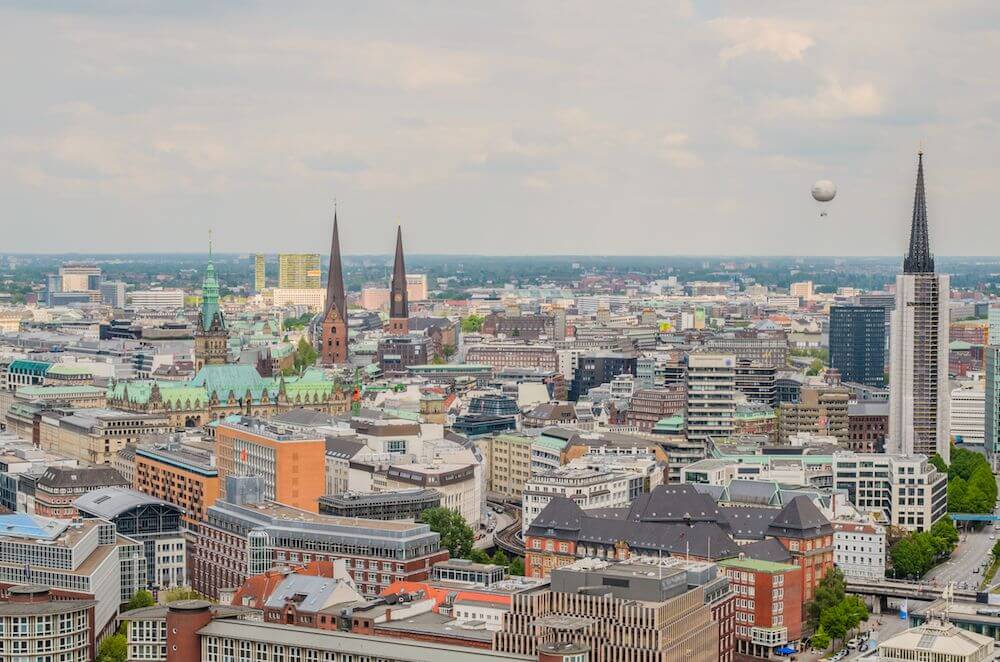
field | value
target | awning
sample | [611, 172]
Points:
[785, 650]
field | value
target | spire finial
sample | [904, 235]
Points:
[210, 244]
[919, 259]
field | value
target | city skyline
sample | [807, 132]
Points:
[697, 129]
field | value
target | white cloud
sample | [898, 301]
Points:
[833, 100]
[760, 35]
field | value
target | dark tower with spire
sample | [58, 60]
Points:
[399, 311]
[919, 259]
[334, 342]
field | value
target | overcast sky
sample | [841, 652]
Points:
[497, 127]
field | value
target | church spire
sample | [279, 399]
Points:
[919, 259]
[399, 312]
[335, 297]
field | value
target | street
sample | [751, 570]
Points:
[972, 552]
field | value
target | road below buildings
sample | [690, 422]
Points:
[964, 566]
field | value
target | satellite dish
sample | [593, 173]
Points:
[823, 192]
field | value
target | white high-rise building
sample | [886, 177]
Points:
[919, 397]
[711, 395]
[968, 412]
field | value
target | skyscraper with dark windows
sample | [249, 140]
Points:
[919, 397]
[857, 344]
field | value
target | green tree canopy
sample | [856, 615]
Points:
[142, 598]
[456, 536]
[820, 639]
[939, 463]
[305, 355]
[517, 567]
[472, 324]
[829, 593]
[113, 649]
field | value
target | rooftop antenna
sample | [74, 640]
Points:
[210, 244]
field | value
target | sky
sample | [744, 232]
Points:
[505, 128]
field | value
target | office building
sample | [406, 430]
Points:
[76, 560]
[599, 368]
[157, 299]
[245, 535]
[54, 492]
[291, 465]
[501, 355]
[184, 474]
[95, 435]
[802, 290]
[857, 344]
[768, 605]
[152, 522]
[821, 410]
[312, 297]
[759, 346]
[621, 612]
[397, 353]
[258, 273]
[416, 287]
[907, 492]
[298, 271]
[711, 396]
[919, 397]
[859, 549]
[113, 293]
[405, 504]
[968, 413]
[333, 343]
[35, 624]
[757, 382]
[508, 464]
[79, 277]
[991, 405]
[650, 405]
[867, 426]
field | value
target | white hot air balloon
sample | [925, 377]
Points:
[823, 192]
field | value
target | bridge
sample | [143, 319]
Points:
[900, 589]
[974, 517]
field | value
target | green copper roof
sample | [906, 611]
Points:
[221, 379]
[57, 391]
[209, 296]
[755, 565]
[550, 443]
[22, 366]
[69, 369]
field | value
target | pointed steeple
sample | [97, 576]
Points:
[398, 304]
[209, 291]
[919, 259]
[335, 297]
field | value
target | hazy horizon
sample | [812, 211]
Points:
[512, 128]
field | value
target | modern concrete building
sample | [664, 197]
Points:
[859, 549]
[711, 396]
[185, 475]
[406, 504]
[157, 299]
[991, 404]
[508, 464]
[919, 397]
[95, 435]
[968, 413]
[907, 492]
[246, 535]
[299, 271]
[821, 410]
[258, 273]
[35, 624]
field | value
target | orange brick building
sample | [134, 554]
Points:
[768, 600]
[807, 534]
[292, 465]
[179, 475]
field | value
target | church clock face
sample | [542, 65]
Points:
[398, 297]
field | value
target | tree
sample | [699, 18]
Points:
[829, 593]
[996, 550]
[142, 598]
[820, 639]
[456, 536]
[815, 367]
[448, 351]
[499, 558]
[113, 649]
[938, 463]
[945, 529]
[479, 556]
[517, 567]
[180, 593]
[305, 355]
[472, 324]
[834, 622]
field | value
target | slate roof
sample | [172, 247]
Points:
[747, 523]
[767, 550]
[752, 491]
[81, 477]
[800, 519]
[674, 503]
[343, 448]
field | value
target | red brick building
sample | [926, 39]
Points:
[867, 426]
[648, 405]
[768, 599]
[808, 536]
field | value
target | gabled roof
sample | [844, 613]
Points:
[561, 514]
[673, 503]
[747, 523]
[767, 550]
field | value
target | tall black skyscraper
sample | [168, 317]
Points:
[857, 343]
